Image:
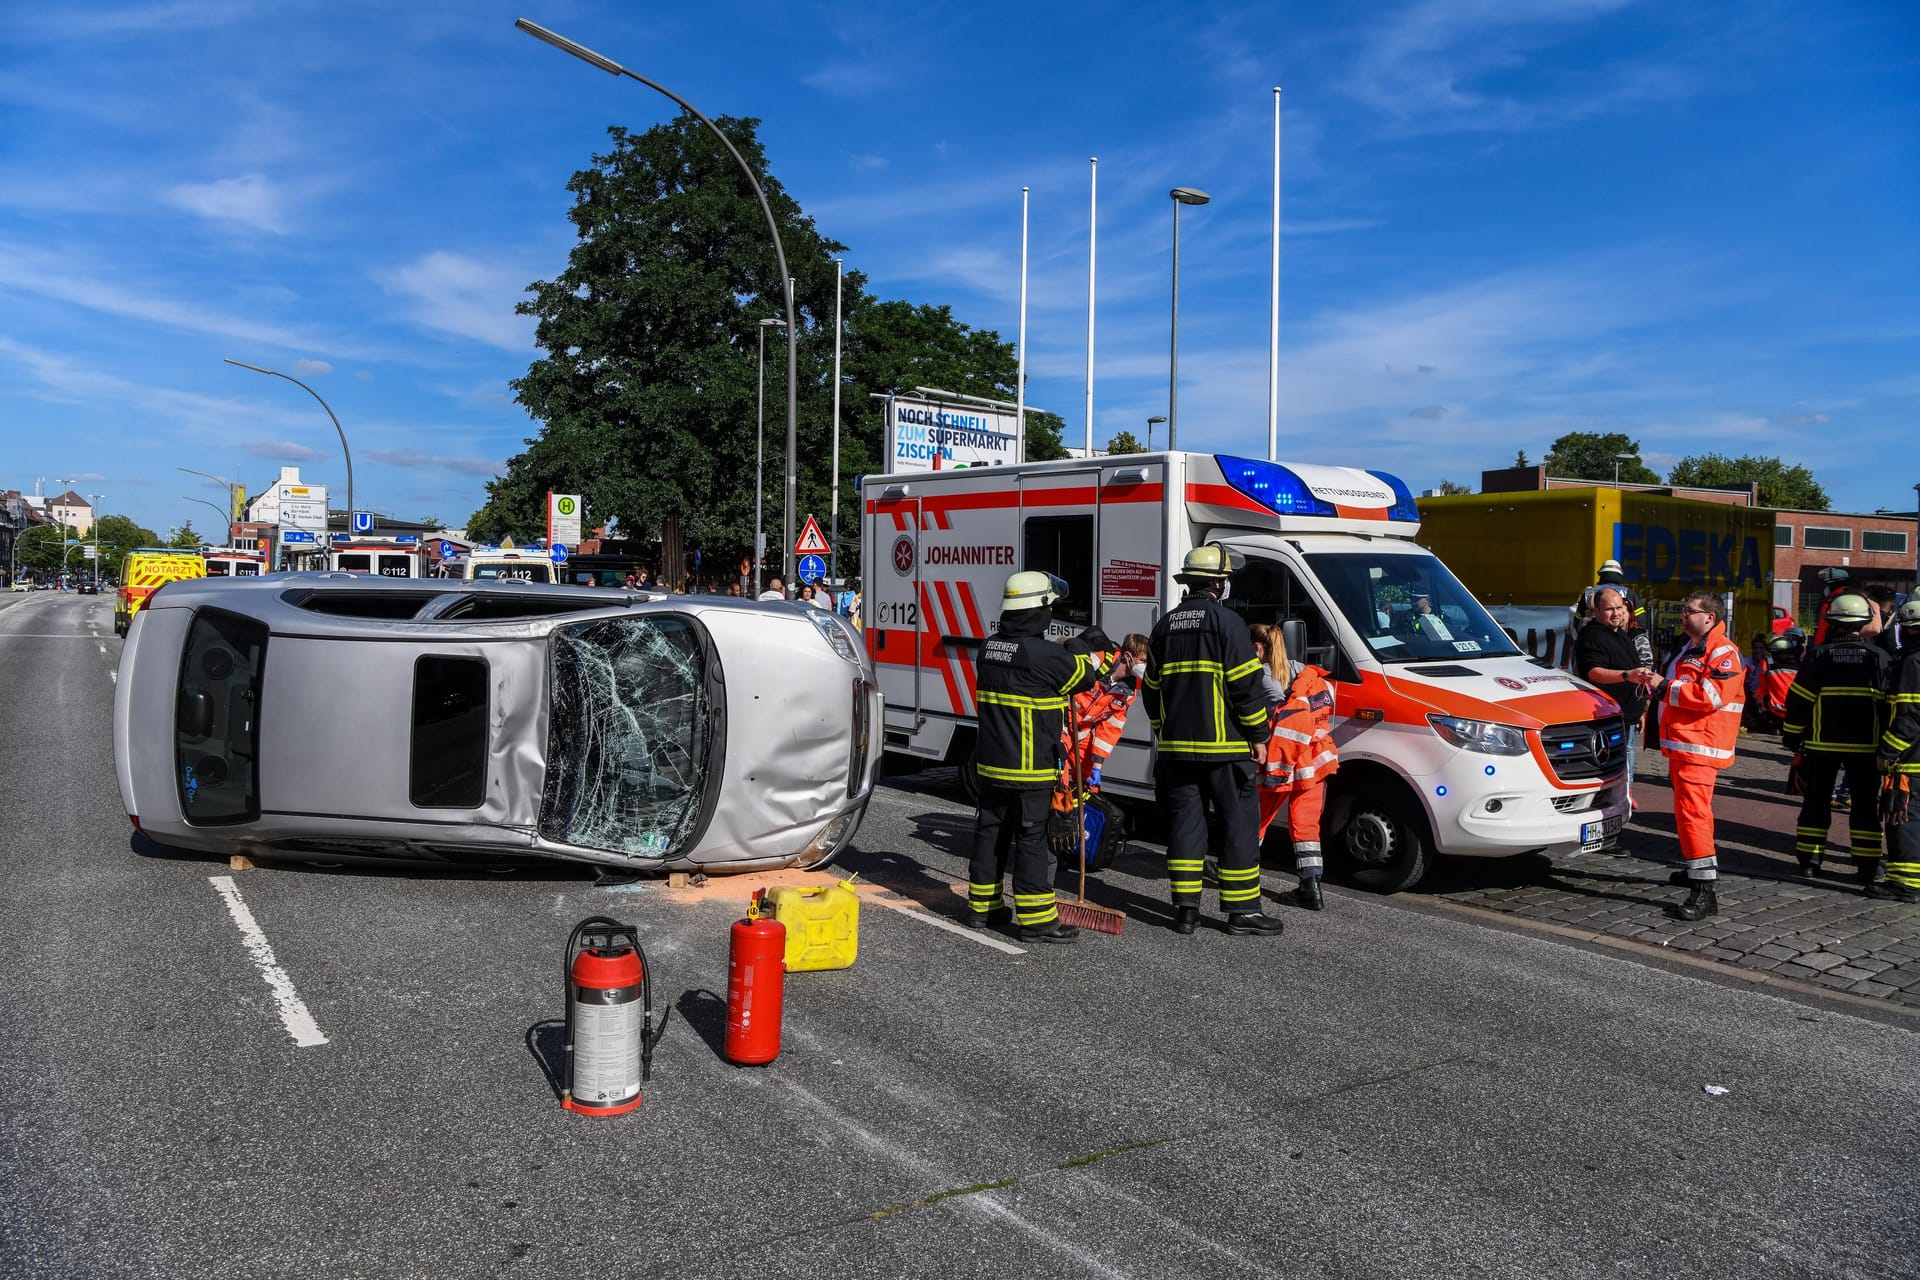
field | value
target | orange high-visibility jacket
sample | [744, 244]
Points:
[1773, 690]
[1094, 725]
[1701, 705]
[1301, 750]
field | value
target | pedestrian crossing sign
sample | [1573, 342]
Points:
[812, 542]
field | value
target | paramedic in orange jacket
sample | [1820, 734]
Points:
[1301, 757]
[1098, 716]
[1700, 708]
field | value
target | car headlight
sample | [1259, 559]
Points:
[835, 632]
[1483, 736]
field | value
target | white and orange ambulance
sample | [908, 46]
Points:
[1452, 739]
[399, 557]
[232, 562]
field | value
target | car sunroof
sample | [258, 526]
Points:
[483, 606]
[362, 604]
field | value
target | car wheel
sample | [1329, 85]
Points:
[1385, 845]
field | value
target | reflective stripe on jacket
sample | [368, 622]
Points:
[1203, 690]
[1835, 703]
[1900, 744]
[1026, 683]
[1301, 749]
[1773, 690]
[1700, 718]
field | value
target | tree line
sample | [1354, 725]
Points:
[1595, 455]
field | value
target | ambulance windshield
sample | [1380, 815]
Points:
[1409, 608]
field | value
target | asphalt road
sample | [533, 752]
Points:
[1381, 1092]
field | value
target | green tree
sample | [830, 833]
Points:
[119, 535]
[1593, 455]
[39, 550]
[1125, 442]
[647, 399]
[1780, 485]
[185, 537]
[1448, 488]
[1520, 459]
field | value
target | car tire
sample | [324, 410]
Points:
[1385, 844]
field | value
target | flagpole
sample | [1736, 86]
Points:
[833, 550]
[1093, 224]
[1020, 373]
[1273, 329]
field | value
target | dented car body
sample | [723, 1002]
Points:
[341, 717]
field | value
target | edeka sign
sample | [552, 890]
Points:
[1655, 554]
[923, 435]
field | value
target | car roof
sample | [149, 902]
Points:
[346, 605]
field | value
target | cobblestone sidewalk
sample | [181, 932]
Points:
[1822, 931]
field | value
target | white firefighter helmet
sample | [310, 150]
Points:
[1205, 563]
[1850, 607]
[1031, 589]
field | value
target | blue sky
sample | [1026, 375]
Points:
[1694, 223]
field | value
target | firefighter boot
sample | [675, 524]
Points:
[1308, 894]
[1700, 903]
[1186, 919]
[990, 917]
[1256, 924]
[1057, 931]
[1866, 872]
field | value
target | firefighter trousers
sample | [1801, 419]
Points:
[1693, 783]
[1818, 769]
[1012, 826]
[1903, 853]
[1188, 791]
[1305, 801]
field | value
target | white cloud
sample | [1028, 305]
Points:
[435, 462]
[251, 201]
[283, 451]
[464, 296]
[312, 366]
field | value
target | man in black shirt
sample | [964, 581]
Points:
[1607, 656]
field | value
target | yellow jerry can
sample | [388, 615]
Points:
[823, 925]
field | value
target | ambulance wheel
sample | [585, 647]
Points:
[1386, 845]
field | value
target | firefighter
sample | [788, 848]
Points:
[1301, 757]
[1783, 665]
[1833, 724]
[1025, 684]
[1093, 728]
[1899, 760]
[1699, 725]
[1203, 697]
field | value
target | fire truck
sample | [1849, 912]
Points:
[1452, 739]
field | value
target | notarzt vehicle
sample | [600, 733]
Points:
[336, 716]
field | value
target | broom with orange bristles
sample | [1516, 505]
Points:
[1084, 914]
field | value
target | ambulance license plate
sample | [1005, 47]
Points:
[1603, 834]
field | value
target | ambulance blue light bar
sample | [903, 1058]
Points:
[1404, 507]
[1274, 487]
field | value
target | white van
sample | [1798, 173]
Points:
[378, 557]
[1452, 740]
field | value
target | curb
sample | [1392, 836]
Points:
[1884, 1010]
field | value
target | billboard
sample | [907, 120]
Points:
[927, 435]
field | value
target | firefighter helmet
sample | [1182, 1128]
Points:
[1784, 645]
[1031, 589]
[1850, 607]
[1908, 615]
[1833, 576]
[1205, 562]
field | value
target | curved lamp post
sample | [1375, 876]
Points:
[1181, 195]
[203, 502]
[759, 460]
[613, 68]
[347, 453]
[1158, 417]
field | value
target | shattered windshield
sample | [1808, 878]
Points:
[630, 745]
[1409, 608]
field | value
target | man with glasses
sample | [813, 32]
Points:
[1699, 725]
[1607, 656]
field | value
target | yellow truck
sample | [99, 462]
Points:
[1527, 556]
[147, 569]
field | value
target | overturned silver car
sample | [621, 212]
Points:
[341, 716]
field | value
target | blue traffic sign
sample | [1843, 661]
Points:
[406, 537]
[363, 522]
[341, 537]
[812, 568]
[447, 550]
[559, 552]
[295, 535]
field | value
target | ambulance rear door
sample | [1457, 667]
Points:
[892, 617]
[1132, 551]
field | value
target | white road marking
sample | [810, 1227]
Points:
[113, 674]
[103, 648]
[293, 1011]
[913, 911]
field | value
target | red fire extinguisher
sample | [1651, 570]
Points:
[610, 1035]
[756, 975]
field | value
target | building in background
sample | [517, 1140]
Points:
[73, 511]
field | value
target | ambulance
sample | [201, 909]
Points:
[379, 557]
[146, 571]
[1452, 739]
[504, 563]
[232, 562]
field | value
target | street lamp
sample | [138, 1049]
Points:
[1619, 458]
[1181, 195]
[1158, 417]
[275, 373]
[613, 68]
[224, 483]
[65, 485]
[203, 502]
[94, 498]
[759, 457]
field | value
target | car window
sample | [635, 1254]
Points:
[449, 748]
[216, 718]
[521, 570]
[630, 735]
